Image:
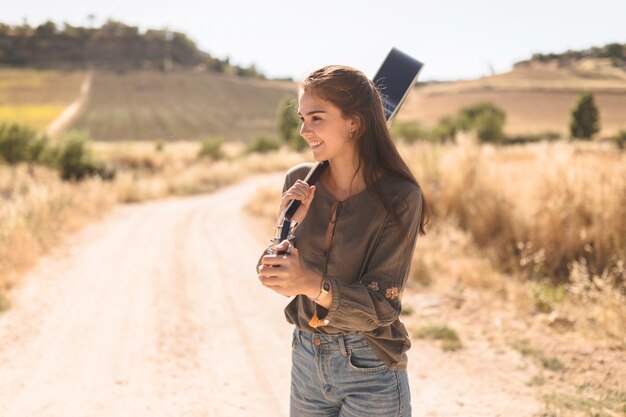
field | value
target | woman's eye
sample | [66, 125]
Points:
[314, 118]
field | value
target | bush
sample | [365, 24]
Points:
[532, 138]
[16, 143]
[484, 118]
[585, 121]
[289, 124]
[76, 161]
[489, 128]
[445, 130]
[262, 144]
[211, 148]
[410, 132]
[620, 139]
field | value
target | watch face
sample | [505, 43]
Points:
[326, 285]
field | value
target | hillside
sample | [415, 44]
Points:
[36, 97]
[150, 105]
[536, 96]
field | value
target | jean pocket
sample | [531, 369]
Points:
[364, 359]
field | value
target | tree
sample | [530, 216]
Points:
[585, 120]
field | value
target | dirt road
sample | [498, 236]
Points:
[156, 311]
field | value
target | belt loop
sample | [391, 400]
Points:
[342, 346]
[299, 335]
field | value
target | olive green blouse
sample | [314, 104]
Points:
[367, 263]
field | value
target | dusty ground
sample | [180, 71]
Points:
[156, 311]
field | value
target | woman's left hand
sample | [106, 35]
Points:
[285, 275]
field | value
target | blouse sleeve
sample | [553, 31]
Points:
[375, 300]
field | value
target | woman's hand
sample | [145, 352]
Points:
[285, 275]
[299, 191]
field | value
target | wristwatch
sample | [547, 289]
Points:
[324, 289]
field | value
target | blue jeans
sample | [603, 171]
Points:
[340, 375]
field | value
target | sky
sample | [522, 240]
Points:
[454, 39]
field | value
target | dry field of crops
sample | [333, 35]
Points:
[36, 97]
[536, 99]
[151, 105]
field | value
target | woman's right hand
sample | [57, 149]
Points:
[299, 191]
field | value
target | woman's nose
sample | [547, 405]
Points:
[304, 129]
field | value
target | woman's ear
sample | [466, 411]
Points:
[355, 124]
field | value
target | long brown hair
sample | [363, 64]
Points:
[356, 96]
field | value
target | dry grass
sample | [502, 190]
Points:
[36, 210]
[546, 212]
[145, 173]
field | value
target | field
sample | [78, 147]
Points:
[36, 97]
[536, 99]
[150, 105]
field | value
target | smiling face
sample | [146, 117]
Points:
[325, 129]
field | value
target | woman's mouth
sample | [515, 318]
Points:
[315, 144]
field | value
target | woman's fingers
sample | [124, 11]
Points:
[310, 195]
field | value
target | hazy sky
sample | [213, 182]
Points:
[454, 38]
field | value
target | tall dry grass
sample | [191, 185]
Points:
[539, 209]
[548, 213]
[144, 172]
[36, 210]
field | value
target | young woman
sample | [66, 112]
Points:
[351, 254]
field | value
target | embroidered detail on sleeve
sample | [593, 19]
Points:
[392, 293]
[373, 286]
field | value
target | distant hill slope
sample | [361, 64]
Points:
[537, 96]
[150, 105]
[36, 97]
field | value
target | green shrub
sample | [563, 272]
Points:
[410, 132]
[211, 148]
[585, 120]
[76, 161]
[620, 139]
[445, 130]
[532, 137]
[16, 142]
[489, 128]
[289, 124]
[485, 119]
[262, 144]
